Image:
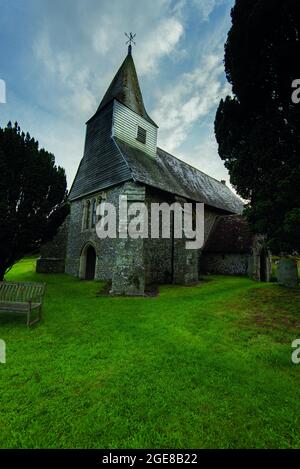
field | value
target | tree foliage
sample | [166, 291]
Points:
[258, 128]
[32, 196]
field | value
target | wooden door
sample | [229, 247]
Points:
[90, 263]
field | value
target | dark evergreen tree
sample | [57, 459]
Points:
[258, 129]
[32, 196]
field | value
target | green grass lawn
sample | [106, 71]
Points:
[203, 366]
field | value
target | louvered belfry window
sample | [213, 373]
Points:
[141, 134]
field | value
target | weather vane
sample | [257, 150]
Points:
[130, 39]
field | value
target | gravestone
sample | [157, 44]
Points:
[287, 273]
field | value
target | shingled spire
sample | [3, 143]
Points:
[126, 89]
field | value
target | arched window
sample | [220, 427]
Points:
[87, 214]
[83, 216]
[94, 206]
[99, 200]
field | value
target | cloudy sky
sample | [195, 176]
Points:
[59, 56]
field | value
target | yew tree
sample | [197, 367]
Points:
[258, 127]
[33, 194]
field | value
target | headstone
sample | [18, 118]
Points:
[287, 273]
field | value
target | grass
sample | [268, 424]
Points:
[195, 367]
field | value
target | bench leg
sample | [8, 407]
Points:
[38, 318]
[29, 322]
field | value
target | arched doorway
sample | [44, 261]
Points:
[87, 263]
[90, 263]
[263, 266]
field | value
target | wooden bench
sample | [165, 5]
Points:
[22, 298]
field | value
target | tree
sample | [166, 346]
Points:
[32, 196]
[258, 128]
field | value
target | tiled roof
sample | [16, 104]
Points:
[230, 234]
[168, 173]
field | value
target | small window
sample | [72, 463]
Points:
[87, 214]
[94, 207]
[141, 134]
[99, 201]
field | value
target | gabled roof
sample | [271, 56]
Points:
[230, 234]
[168, 173]
[126, 89]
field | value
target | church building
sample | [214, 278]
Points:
[121, 157]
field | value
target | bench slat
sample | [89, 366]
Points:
[21, 298]
[12, 291]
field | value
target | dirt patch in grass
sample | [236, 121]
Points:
[270, 310]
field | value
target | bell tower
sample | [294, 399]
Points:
[131, 122]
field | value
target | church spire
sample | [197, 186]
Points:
[125, 86]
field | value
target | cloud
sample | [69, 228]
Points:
[203, 7]
[67, 53]
[77, 51]
[194, 97]
[205, 156]
[101, 38]
[158, 43]
[206, 7]
[185, 109]
[70, 81]
[76, 70]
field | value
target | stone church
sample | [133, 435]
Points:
[121, 157]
